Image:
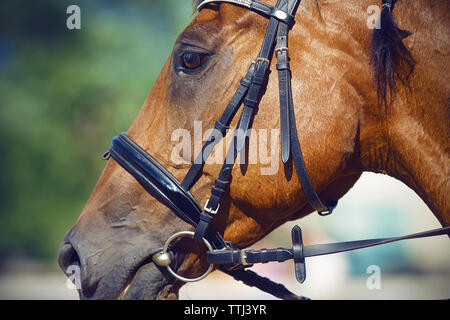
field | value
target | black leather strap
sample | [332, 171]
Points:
[298, 252]
[259, 7]
[222, 125]
[160, 183]
[253, 98]
[290, 144]
[252, 279]
[302, 173]
[273, 12]
[251, 102]
[285, 92]
[218, 190]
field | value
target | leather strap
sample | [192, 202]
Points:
[259, 7]
[252, 279]
[290, 144]
[302, 173]
[218, 190]
[222, 125]
[251, 102]
[284, 83]
[157, 181]
[253, 98]
[160, 183]
[298, 253]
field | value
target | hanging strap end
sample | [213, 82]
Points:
[299, 258]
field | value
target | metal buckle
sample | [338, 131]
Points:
[164, 258]
[262, 60]
[244, 257]
[281, 49]
[209, 210]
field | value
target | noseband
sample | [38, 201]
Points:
[175, 195]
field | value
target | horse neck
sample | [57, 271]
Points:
[409, 139]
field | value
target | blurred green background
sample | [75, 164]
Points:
[64, 94]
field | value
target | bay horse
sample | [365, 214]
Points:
[366, 100]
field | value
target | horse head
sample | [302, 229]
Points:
[345, 125]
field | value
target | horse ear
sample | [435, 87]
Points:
[299, 258]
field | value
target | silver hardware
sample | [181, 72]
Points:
[245, 3]
[263, 60]
[106, 156]
[162, 259]
[244, 257]
[163, 256]
[281, 49]
[325, 213]
[281, 15]
[209, 210]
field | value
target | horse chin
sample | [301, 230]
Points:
[149, 284]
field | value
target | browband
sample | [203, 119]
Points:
[258, 7]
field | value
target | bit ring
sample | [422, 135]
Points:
[191, 235]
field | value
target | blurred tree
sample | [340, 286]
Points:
[63, 95]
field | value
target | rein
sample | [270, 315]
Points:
[175, 195]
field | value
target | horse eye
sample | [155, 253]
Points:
[193, 61]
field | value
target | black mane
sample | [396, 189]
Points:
[390, 59]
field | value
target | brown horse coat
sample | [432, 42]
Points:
[343, 131]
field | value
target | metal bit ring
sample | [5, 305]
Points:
[165, 253]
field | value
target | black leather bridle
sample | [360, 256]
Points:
[162, 185]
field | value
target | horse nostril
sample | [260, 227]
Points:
[67, 258]
[69, 262]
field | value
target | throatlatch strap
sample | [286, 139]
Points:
[284, 76]
[290, 144]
